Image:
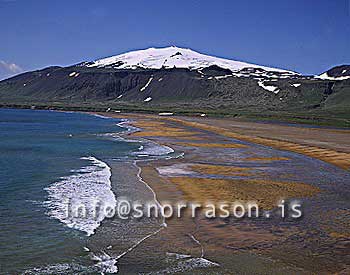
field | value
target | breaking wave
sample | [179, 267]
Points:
[85, 187]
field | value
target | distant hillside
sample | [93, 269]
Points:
[185, 81]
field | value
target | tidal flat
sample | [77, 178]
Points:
[246, 167]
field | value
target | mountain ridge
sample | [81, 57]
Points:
[199, 85]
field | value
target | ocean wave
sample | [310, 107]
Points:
[146, 148]
[119, 136]
[185, 264]
[154, 149]
[63, 268]
[126, 124]
[105, 263]
[86, 187]
[101, 116]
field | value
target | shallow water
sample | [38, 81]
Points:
[46, 156]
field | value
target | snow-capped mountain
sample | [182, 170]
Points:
[173, 78]
[173, 57]
[341, 72]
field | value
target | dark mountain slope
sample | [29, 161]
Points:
[339, 71]
[80, 84]
[249, 90]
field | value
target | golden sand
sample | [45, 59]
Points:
[340, 159]
[147, 123]
[331, 156]
[266, 193]
[159, 129]
[220, 170]
[162, 134]
[212, 145]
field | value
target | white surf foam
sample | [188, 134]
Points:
[86, 187]
[102, 116]
[108, 264]
[126, 124]
[178, 256]
[174, 170]
[148, 148]
[63, 268]
[105, 263]
[186, 265]
[154, 149]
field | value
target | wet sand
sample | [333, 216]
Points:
[228, 160]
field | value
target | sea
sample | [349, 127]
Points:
[51, 162]
[49, 159]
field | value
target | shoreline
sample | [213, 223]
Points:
[196, 140]
[324, 149]
[312, 120]
[216, 166]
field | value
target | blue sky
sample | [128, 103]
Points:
[305, 36]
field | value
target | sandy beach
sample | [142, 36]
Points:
[229, 160]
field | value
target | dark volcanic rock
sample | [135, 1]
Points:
[215, 71]
[339, 71]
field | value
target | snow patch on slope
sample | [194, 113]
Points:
[223, 76]
[325, 76]
[269, 88]
[148, 82]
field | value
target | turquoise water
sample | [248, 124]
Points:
[37, 149]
